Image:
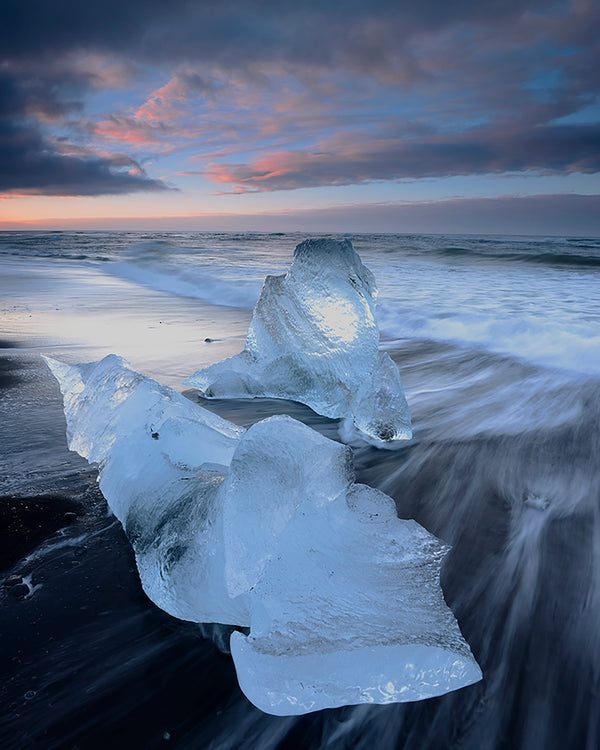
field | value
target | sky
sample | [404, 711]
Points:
[355, 115]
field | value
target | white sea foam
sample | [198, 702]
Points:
[479, 296]
[199, 282]
[543, 339]
[222, 276]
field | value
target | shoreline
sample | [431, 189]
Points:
[82, 317]
[510, 483]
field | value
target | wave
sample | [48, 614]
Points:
[564, 259]
[199, 282]
[543, 258]
[228, 275]
[547, 342]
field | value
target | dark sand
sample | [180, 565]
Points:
[87, 661]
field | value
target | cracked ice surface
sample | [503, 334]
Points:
[314, 339]
[265, 528]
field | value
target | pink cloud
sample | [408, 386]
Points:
[129, 131]
[357, 158]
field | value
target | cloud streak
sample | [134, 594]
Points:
[551, 149]
[263, 96]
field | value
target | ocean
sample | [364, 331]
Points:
[498, 343]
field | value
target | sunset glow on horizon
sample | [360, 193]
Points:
[395, 116]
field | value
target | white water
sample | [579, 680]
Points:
[536, 299]
[547, 314]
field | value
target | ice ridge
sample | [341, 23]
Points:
[265, 528]
[314, 338]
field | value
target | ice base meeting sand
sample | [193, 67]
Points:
[314, 338]
[265, 528]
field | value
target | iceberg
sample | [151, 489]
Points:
[265, 529]
[314, 338]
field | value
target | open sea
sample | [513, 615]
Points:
[498, 343]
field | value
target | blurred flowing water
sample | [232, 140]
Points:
[498, 344]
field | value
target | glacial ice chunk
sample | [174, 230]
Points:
[162, 461]
[275, 470]
[314, 339]
[344, 597]
[265, 528]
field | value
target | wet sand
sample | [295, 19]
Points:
[89, 662]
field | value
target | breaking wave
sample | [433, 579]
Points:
[545, 317]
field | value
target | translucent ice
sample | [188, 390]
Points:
[344, 597]
[162, 461]
[314, 338]
[265, 528]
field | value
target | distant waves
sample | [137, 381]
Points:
[200, 282]
[532, 298]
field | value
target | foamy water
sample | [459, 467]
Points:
[497, 343]
[533, 298]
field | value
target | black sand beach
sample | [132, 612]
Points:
[389, 211]
[89, 662]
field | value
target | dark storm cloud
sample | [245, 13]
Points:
[377, 40]
[28, 164]
[355, 35]
[233, 30]
[32, 96]
[31, 163]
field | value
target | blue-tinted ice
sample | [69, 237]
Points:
[314, 338]
[344, 597]
[162, 461]
[265, 528]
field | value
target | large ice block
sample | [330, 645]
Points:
[265, 528]
[314, 339]
[345, 601]
[162, 461]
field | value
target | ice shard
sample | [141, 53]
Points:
[344, 597]
[265, 528]
[163, 461]
[314, 338]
